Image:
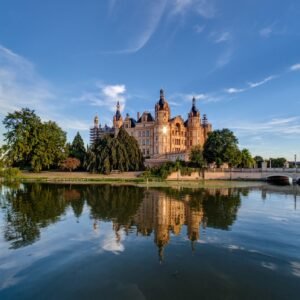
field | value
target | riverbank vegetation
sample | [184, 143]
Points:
[34, 145]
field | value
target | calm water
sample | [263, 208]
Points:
[110, 242]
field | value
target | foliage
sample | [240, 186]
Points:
[196, 156]
[246, 159]
[166, 169]
[114, 153]
[10, 173]
[32, 144]
[77, 149]
[221, 147]
[70, 164]
[258, 161]
[278, 162]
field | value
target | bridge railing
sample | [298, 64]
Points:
[255, 170]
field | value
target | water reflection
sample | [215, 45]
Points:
[158, 212]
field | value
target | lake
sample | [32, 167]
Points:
[125, 242]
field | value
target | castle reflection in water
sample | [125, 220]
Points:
[158, 212]
[161, 215]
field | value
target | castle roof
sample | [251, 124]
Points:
[162, 103]
[118, 113]
[148, 115]
[194, 110]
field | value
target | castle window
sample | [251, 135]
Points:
[143, 133]
[148, 152]
[147, 142]
[147, 133]
[143, 142]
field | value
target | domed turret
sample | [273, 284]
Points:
[162, 109]
[118, 120]
[194, 110]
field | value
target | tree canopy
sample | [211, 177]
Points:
[114, 153]
[77, 148]
[196, 156]
[31, 143]
[221, 147]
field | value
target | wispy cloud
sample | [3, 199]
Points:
[234, 90]
[266, 32]
[20, 84]
[251, 85]
[265, 80]
[295, 67]
[199, 28]
[224, 58]
[281, 126]
[221, 37]
[153, 14]
[204, 8]
[106, 96]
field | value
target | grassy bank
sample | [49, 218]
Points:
[132, 178]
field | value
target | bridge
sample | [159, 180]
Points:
[291, 175]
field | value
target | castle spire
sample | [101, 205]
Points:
[194, 110]
[118, 113]
[162, 96]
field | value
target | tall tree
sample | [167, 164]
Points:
[32, 144]
[247, 160]
[77, 148]
[220, 147]
[258, 161]
[196, 156]
[114, 153]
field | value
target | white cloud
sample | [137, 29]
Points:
[266, 32]
[204, 8]
[106, 96]
[199, 28]
[234, 90]
[20, 84]
[224, 58]
[222, 37]
[265, 80]
[295, 67]
[280, 126]
[153, 15]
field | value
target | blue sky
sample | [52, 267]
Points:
[71, 59]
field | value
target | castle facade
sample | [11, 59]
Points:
[159, 135]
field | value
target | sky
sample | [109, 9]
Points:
[70, 60]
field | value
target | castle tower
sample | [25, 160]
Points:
[195, 136]
[117, 120]
[161, 129]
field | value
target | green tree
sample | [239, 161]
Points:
[278, 162]
[258, 161]
[196, 156]
[114, 153]
[246, 159]
[32, 144]
[77, 149]
[220, 147]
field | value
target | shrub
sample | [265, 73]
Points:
[10, 173]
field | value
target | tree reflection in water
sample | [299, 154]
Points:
[159, 211]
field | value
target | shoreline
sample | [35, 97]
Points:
[128, 178]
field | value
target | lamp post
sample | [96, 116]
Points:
[295, 163]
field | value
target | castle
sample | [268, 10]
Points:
[159, 136]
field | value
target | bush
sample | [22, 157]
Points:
[10, 173]
[70, 164]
